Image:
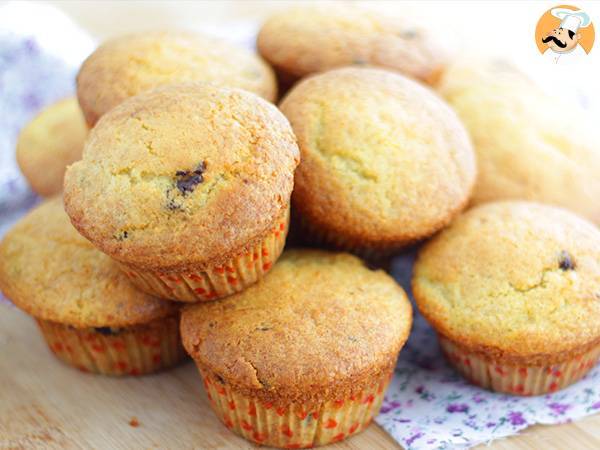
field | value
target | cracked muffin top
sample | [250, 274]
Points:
[50, 271]
[506, 113]
[320, 324]
[384, 160]
[50, 142]
[309, 39]
[518, 279]
[128, 65]
[182, 175]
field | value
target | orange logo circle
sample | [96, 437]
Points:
[564, 30]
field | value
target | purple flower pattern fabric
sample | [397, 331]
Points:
[34, 72]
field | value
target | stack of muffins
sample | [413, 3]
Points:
[180, 206]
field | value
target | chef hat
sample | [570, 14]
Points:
[571, 20]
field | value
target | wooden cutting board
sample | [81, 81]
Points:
[47, 405]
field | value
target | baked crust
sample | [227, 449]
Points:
[319, 326]
[309, 39]
[49, 143]
[514, 281]
[523, 151]
[189, 175]
[129, 65]
[51, 272]
[385, 162]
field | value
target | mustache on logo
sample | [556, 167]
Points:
[555, 40]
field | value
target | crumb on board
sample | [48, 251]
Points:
[134, 422]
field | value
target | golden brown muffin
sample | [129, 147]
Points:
[513, 290]
[128, 65]
[385, 162]
[88, 312]
[49, 143]
[529, 146]
[308, 39]
[318, 337]
[188, 186]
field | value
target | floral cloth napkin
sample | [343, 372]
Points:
[40, 50]
[427, 406]
[430, 406]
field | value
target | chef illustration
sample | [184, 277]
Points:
[563, 42]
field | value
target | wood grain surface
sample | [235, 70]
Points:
[45, 404]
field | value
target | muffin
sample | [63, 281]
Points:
[529, 145]
[303, 357]
[89, 314]
[385, 162]
[128, 65]
[314, 38]
[188, 187]
[49, 143]
[513, 291]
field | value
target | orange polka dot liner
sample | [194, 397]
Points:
[294, 425]
[217, 281]
[518, 380]
[133, 350]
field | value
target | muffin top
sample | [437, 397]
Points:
[319, 325]
[129, 65]
[529, 145]
[50, 271]
[183, 175]
[50, 142]
[517, 279]
[315, 38]
[384, 160]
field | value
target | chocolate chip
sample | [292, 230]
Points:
[220, 379]
[264, 327]
[188, 180]
[188, 184]
[106, 331]
[565, 261]
[121, 235]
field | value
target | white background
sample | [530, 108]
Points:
[493, 28]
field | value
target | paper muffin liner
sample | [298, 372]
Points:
[294, 425]
[315, 235]
[518, 380]
[219, 281]
[134, 350]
